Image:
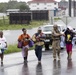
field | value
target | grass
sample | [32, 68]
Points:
[4, 25]
[13, 48]
[56, 19]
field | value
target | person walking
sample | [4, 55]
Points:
[3, 46]
[38, 38]
[74, 38]
[24, 38]
[62, 41]
[56, 42]
[68, 40]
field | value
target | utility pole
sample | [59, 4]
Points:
[70, 8]
[74, 8]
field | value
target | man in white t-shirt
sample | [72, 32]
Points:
[3, 46]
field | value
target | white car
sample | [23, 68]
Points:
[47, 30]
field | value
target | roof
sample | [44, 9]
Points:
[42, 1]
[20, 13]
[13, 10]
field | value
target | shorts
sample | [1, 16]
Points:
[24, 48]
[69, 47]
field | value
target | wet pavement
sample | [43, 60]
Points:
[13, 64]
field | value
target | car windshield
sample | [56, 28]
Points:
[50, 28]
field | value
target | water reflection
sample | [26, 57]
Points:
[56, 64]
[25, 70]
[69, 64]
[56, 67]
[2, 72]
[39, 69]
[59, 64]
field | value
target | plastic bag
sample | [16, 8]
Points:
[31, 43]
[19, 45]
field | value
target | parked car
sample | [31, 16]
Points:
[47, 30]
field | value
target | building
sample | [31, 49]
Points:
[49, 5]
[43, 5]
[43, 9]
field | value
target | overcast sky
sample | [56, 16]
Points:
[21, 0]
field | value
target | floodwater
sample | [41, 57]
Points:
[12, 35]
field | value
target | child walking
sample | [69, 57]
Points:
[68, 40]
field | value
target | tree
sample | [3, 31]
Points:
[24, 7]
[13, 4]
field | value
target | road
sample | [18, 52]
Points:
[13, 64]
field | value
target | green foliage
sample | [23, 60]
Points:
[12, 5]
[3, 7]
[4, 24]
[56, 18]
[23, 7]
[13, 48]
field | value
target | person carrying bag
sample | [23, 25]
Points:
[38, 39]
